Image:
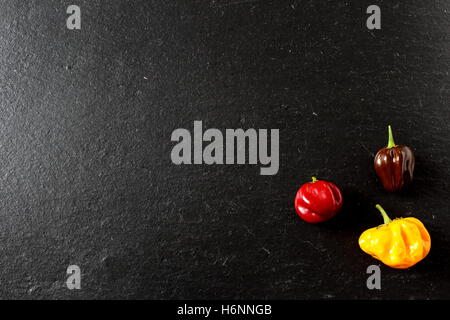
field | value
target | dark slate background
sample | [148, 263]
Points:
[86, 118]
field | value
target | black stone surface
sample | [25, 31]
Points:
[86, 118]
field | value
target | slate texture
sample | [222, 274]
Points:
[86, 118]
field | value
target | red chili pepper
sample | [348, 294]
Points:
[318, 201]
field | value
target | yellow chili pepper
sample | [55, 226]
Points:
[398, 243]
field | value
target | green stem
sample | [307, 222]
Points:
[391, 142]
[384, 214]
[314, 179]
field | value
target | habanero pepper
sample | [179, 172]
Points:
[398, 243]
[318, 201]
[394, 165]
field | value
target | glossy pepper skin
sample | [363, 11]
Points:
[399, 243]
[394, 165]
[318, 201]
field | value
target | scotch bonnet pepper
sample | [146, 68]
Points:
[399, 243]
[394, 165]
[318, 201]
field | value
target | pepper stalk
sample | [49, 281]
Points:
[384, 214]
[391, 142]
